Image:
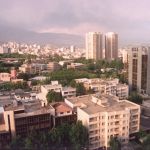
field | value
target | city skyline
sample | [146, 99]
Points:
[79, 17]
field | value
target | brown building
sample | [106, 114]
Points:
[53, 66]
[19, 120]
[25, 114]
[138, 69]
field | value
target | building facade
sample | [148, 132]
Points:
[106, 116]
[107, 86]
[32, 68]
[53, 66]
[94, 49]
[111, 46]
[139, 69]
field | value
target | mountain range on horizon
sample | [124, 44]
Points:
[20, 35]
[56, 39]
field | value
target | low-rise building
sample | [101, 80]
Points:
[54, 86]
[53, 66]
[106, 116]
[21, 117]
[68, 92]
[5, 77]
[75, 66]
[32, 68]
[63, 114]
[107, 86]
[38, 78]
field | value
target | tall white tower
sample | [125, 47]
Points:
[111, 46]
[94, 49]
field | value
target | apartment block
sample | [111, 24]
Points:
[53, 66]
[107, 86]
[22, 112]
[20, 118]
[68, 92]
[54, 86]
[106, 116]
[94, 49]
[139, 69]
[111, 46]
[32, 68]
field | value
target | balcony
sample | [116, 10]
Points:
[117, 116]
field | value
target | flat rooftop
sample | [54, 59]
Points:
[68, 89]
[109, 103]
[50, 86]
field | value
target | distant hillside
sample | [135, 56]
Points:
[57, 39]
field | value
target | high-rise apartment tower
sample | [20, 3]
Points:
[94, 49]
[139, 69]
[111, 46]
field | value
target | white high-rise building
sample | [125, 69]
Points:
[94, 49]
[139, 69]
[111, 46]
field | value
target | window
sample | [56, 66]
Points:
[103, 117]
[103, 123]
[123, 134]
[123, 128]
[112, 117]
[93, 119]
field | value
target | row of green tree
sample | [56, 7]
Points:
[143, 145]
[67, 136]
[18, 56]
[101, 64]
[53, 96]
[12, 86]
[65, 76]
[135, 97]
[55, 58]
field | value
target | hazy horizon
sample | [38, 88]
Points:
[130, 19]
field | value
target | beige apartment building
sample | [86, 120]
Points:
[111, 46]
[94, 49]
[107, 86]
[139, 69]
[55, 86]
[32, 68]
[106, 116]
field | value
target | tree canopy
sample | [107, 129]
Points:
[135, 97]
[114, 143]
[70, 136]
[53, 96]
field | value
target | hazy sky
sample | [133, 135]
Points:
[129, 18]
